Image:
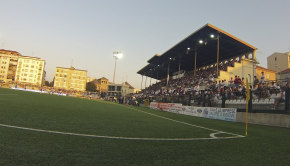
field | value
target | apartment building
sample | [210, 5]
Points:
[279, 61]
[30, 70]
[8, 65]
[70, 79]
[119, 90]
[102, 84]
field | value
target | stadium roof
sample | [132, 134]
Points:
[183, 52]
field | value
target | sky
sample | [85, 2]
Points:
[85, 33]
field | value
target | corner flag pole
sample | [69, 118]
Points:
[247, 104]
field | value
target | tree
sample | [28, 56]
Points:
[46, 83]
[51, 83]
[91, 87]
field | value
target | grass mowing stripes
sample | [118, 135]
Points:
[264, 145]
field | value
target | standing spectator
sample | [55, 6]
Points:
[256, 81]
[263, 78]
[231, 82]
[239, 80]
[236, 81]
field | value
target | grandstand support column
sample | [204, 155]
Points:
[254, 55]
[157, 74]
[179, 71]
[145, 81]
[195, 55]
[218, 54]
[150, 80]
[141, 82]
[168, 66]
[179, 67]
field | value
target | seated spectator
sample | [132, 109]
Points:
[279, 99]
[263, 78]
[256, 81]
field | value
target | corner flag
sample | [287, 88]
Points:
[247, 90]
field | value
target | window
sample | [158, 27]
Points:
[119, 88]
[111, 88]
[275, 58]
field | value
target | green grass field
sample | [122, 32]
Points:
[57, 130]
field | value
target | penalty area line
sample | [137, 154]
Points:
[115, 137]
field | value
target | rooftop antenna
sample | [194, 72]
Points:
[71, 63]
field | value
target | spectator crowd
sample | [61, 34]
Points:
[204, 83]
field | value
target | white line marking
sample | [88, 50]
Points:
[217, 131]
[114, 137]
[212, 135]
[8, 94]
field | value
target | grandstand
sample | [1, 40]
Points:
[210, 68]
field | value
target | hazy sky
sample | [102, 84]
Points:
[85, 33]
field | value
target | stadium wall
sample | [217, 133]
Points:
[279, 120]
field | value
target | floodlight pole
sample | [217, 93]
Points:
[116, 55]
[115, 68]
[218, 54]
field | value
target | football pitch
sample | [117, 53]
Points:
[42, 129]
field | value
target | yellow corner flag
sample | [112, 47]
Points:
[247, 90]
[247, 102]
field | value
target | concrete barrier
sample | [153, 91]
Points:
[265, 119]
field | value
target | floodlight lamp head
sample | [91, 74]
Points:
[200, 41]
[117, 55]
[188, 48]
[212, 36]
